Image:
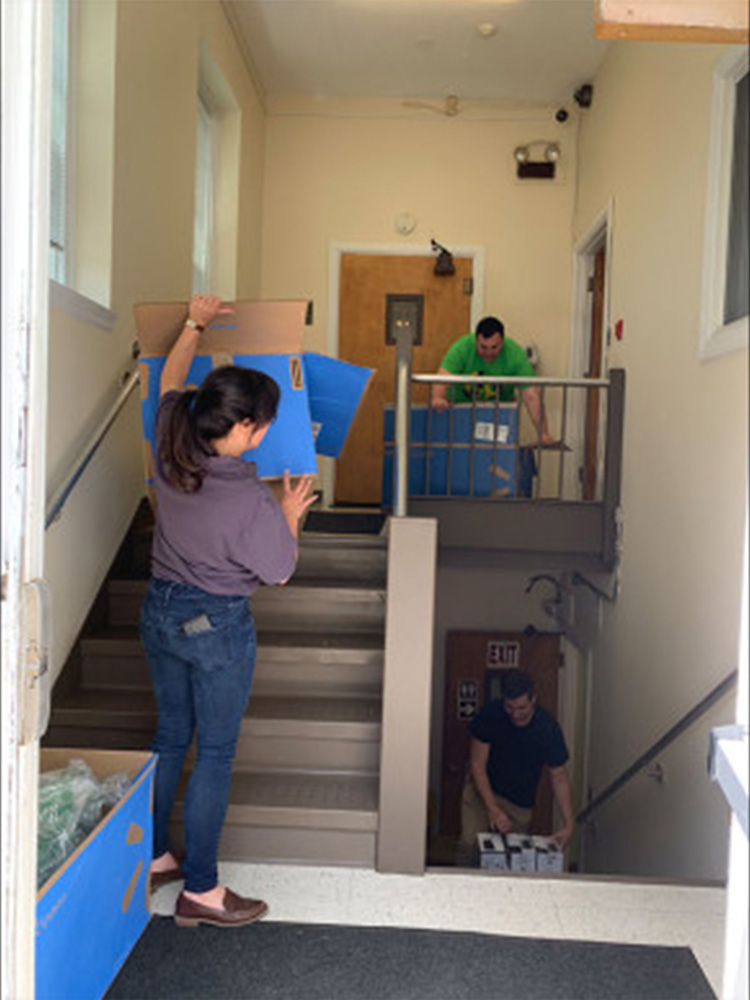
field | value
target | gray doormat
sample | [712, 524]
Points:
[278, 961]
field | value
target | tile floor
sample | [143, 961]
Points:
[589, 908]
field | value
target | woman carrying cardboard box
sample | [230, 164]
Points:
[219, 535]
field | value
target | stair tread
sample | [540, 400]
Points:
[128, 585]
[295, 790]
[140, 703]
[126, 637]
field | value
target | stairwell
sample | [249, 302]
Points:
[306, 775]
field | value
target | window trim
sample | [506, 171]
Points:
[718, 338]
[67, 300]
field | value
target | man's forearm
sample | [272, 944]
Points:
[561, 791]
[533, 402]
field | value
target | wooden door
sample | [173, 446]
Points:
[366, 281]
[474, 662]
[594, 371]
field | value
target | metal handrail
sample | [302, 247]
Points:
[530, 380]
[58, 501]
[661, 744]
[402, 401]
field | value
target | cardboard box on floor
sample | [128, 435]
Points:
[91, 912]
[320, 396]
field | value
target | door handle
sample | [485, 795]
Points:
[35, 634]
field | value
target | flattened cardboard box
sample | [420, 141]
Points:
[91, 912]
[320, 396]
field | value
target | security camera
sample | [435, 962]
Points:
[584, 95]
[561, 115]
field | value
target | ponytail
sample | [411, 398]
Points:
[201, 416]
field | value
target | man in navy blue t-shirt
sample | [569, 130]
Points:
[512, 740]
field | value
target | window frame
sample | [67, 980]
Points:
[718, 338]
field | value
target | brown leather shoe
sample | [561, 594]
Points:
[237, 911]
[158, 879]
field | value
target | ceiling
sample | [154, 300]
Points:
[536, 51]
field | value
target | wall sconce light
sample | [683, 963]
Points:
[444, 264]
[527, 167]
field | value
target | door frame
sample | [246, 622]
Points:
[599, 233]
[336, 250]
[26, 77]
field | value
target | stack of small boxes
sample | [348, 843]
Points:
[518, 852]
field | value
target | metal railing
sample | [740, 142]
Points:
[493, 437]
[58, 501]
[687, 720]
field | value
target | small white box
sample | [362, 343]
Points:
[549, 857]
[492, 851]
[521, 853]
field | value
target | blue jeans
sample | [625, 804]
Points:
[201, 654]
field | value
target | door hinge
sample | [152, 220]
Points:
[590, 283]
[468, 286]
[35, 679]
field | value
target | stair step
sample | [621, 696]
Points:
[348, 663]
[309, 605]
[299, 817]
[326, 734]
[342, 557]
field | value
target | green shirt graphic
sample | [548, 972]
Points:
[462, 359]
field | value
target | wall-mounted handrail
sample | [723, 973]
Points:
[661, 744]
[56, 504]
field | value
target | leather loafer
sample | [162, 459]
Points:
[158, 879]
[237, 911]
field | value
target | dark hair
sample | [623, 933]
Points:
[516, 684]
[489, 326]
[228, 396]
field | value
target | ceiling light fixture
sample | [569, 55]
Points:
[487, 29]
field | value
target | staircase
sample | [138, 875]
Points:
[305, 785]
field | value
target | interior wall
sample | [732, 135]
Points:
[157, 60]
[672, 634]
[343, 171]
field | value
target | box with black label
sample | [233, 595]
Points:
[549, 857]
[492, 851]
[521, 853]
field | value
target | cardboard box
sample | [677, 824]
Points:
[469, 451]
[319, 395]
[549, 857]
[521, 852]
[92, 911]
[493, 853]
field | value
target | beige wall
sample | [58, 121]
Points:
[340, 171]
[157, 54]
[673, 632]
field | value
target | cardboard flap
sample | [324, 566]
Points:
[268, 327]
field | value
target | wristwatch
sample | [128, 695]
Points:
[194, 326]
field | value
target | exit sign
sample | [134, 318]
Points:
[503, 654]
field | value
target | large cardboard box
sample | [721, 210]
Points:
[319, 395]
[92, 911]
[467, 451]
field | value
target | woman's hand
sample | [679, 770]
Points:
[204, 309]
[296, 500]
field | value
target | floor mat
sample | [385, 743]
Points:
[283, 961]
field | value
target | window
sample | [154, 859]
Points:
[217, 182]
[724, 320]
[60, 145]
[205, 179]
[82, 157]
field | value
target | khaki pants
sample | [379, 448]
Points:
[474, 821]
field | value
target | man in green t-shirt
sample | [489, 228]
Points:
[489, 352]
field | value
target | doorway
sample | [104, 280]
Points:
[590, 329]
[362, 279]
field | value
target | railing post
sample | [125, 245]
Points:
[613, 463]
[404, 338]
